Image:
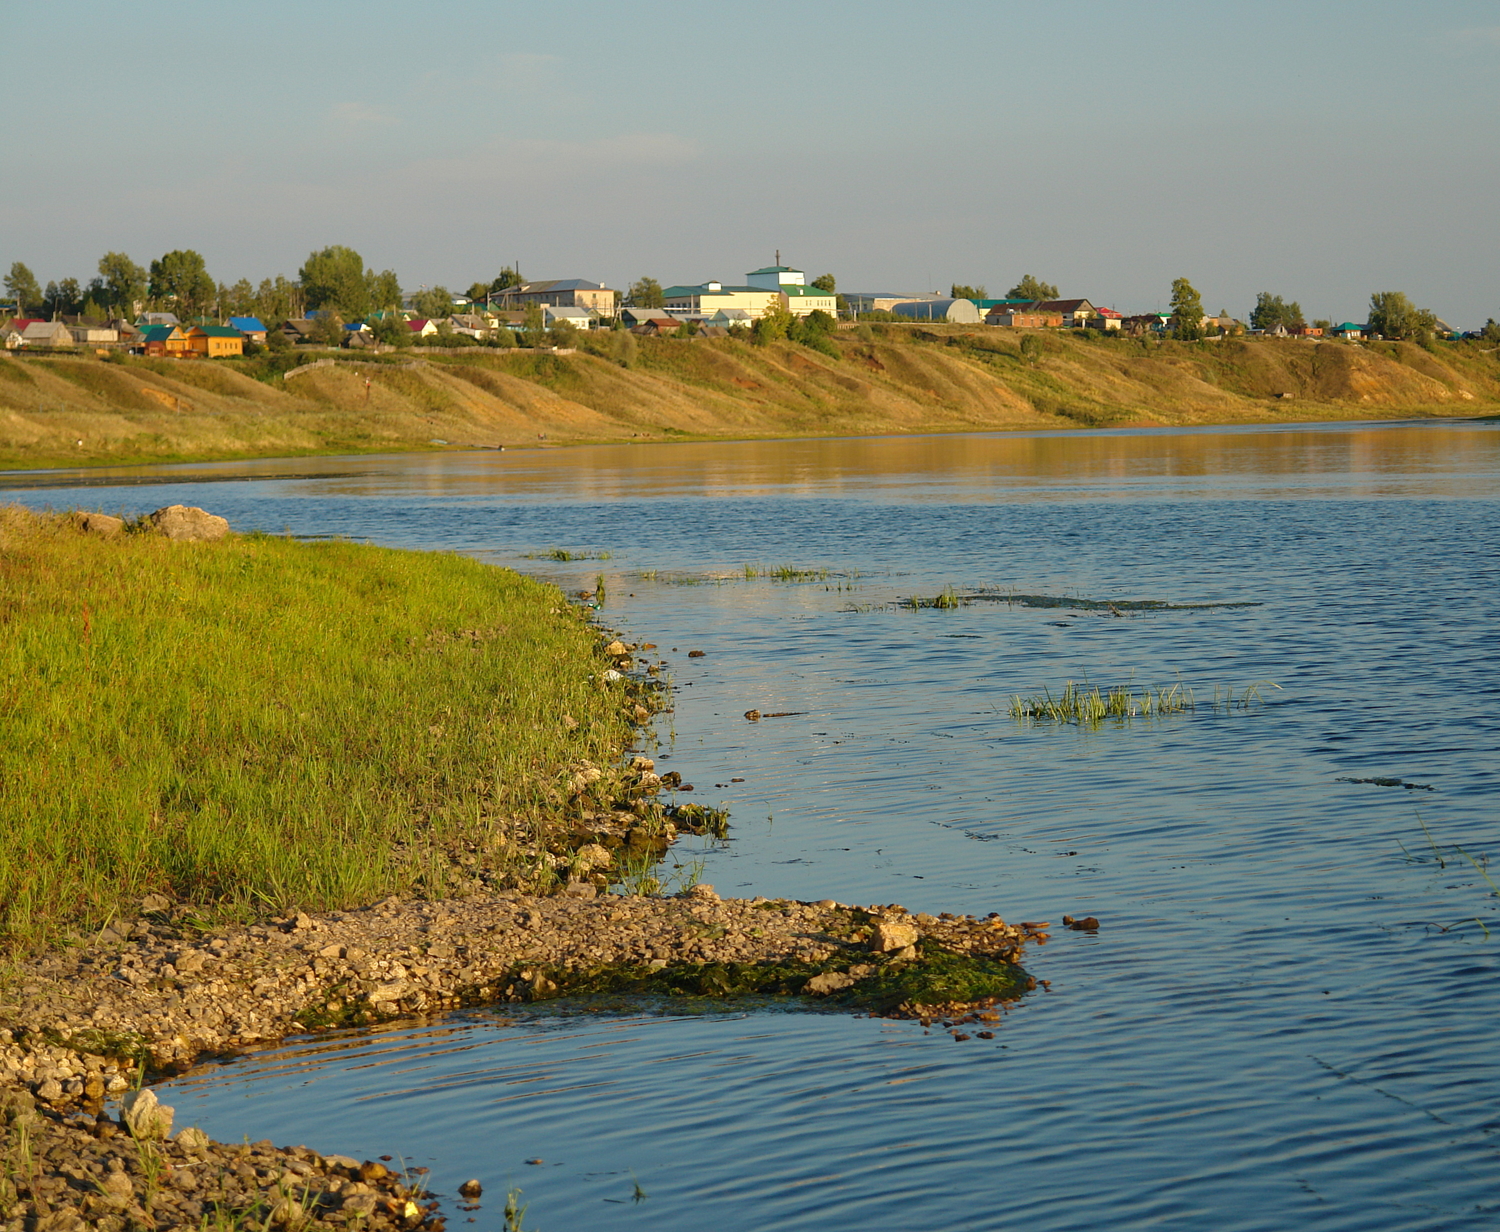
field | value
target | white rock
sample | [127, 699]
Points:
[145, 1117]
[892, 935]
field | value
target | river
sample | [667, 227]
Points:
[1282, 1020]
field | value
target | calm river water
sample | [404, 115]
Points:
[1288, 1018]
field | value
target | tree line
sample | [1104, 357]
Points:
[334, 279]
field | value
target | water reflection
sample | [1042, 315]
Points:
[1270, 1031]
[1450, 458]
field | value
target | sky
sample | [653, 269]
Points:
[1316, 151]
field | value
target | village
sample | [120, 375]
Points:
[549, 312]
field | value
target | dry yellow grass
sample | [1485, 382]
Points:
[59, 410]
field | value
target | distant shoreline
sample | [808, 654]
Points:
[70, 412]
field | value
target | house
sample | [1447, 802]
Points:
[92, 334]
[1305, 331]
[158, 318]
[1146, 323]
[579, 318]
[299, 330]
[46, 334]
[655, 327]
[215, 341]
[164, 342]
[562, 293]
[14, 333]
[471, 324]
[422, 327]
[639, 316]
[1012, 319]
[1076, 313]
[728, 318]
[802, 301]
[1107, 319]
[1349, 331]
[251, 327]
[707, 298]
[956, 311]
[987, 306]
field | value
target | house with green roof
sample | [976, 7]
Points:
[709, 297]
[215, 341]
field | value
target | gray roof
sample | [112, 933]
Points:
[555, 284]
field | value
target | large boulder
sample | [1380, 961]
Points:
[99, 524]
[188, 522]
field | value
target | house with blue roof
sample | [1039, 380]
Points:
[251, 327]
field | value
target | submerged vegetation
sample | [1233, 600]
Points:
[564, 554]
[1441, 856]
[1089, 705]
[949, 598]
[260, 725]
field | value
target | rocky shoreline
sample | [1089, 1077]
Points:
[157, 994]
[525, 913]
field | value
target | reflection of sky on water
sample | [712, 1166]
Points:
[1269, 1032]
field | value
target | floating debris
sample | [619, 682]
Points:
[1383, 782]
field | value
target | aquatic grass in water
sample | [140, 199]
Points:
[260, 724]
[945, 600]
[563, 554]
[1089, 704]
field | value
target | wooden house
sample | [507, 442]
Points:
[215, 341]
[164, 342]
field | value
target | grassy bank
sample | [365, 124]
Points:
[260, 725]
[71, 410]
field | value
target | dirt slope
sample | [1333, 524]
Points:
[60, 409]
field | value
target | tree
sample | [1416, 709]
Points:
[384, 290]
[21, 285]
[328, 329]
[645, 293]
[772, 325]
[1030, 288]
[959, 291]
[391, 329]
[181, 279]
[1187, 310]
[826, 283]
[1270, 311]
[238, 300]
[531, 326]
[563, 334]
[334, 277]
[62, 298]
[435, 304]
[1491, 330]
[504, 279]
[1392, 315]
[277, 299]
[124, 282]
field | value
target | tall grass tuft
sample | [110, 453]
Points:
[1087, 704]
[261, 724]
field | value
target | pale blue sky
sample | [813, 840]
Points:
[1320, 151]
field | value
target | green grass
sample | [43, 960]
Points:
[945, 600]
[261, 725]
[1089, 705]
[1081, 704]
[562, 554]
